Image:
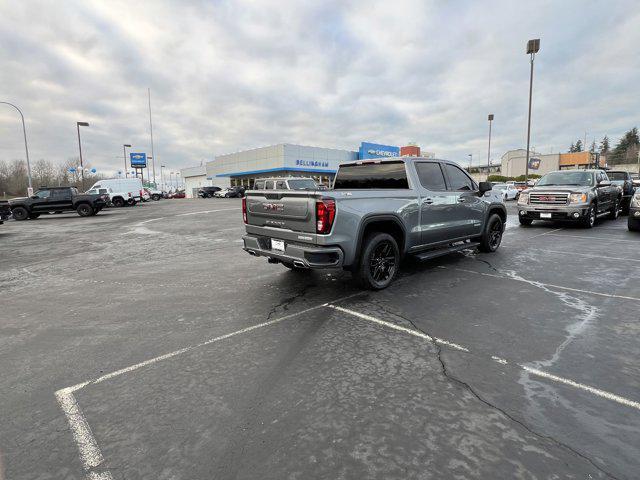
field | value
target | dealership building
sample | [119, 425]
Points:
[321, 164]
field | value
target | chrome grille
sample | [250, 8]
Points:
[548, 198]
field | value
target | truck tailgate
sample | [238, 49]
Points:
[288, 210]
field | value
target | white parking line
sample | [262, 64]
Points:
[549, 232]
[90, 453]
[566, 381]
[548, 285]
[610, 238]
[206, 211]
[603, 257]
[410, 331]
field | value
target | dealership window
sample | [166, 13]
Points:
[431, 176]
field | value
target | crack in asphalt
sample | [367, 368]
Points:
[470, 389]
[286, 302]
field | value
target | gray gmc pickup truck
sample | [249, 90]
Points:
[570, 195]
[377, 212]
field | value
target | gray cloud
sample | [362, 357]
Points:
[230, 75]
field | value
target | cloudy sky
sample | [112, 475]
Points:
[232, 75]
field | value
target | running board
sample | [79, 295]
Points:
[445, 251]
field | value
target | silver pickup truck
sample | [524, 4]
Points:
[377, 212]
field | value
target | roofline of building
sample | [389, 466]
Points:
[278, 169]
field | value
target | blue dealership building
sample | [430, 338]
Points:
[284, 159]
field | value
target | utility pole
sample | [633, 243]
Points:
[533, 46]
[153, 156]
[470, 161]
[78, 125]
[26, 149]
[490, 118]
[124, 155]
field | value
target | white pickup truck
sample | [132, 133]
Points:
[117, 199]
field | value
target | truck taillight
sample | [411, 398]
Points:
[141, 194]
[244, 209]
[325, 214]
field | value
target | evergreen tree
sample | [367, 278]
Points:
[604, 145]
[578, 146]
[572, 148]
[592, 148]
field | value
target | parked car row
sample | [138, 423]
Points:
[581, 196]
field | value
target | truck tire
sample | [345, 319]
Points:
[615, 210]
[84, 210]
[492, 234]
[155, 197]
[33, 216]
[633, 225]
[589, 219]
[20, 213]
[118, 202]
[379, 261]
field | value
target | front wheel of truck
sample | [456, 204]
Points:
[492, 235]
[379, 261]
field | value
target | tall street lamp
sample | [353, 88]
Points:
[124, 156]
[470, 161]
[26, 149]
[78, 125]
[490, 118]
[533, 46]
[177, 181]
[162, 167]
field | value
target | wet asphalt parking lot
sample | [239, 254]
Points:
[144, 343]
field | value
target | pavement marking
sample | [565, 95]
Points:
[583, 254]
[587, 388]
[415, 333]
[206, 211]
[90, 453]
[611, 238]
[549, 232]
[566, 381]
[147, 221]
[548, 285]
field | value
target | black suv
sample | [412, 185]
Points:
[57, 199]
[5, 211]
[207, 192]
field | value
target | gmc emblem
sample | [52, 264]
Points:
[544, 198]
[273, 207]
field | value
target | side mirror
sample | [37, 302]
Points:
[604, 183]
[484, 187]
[35, 197]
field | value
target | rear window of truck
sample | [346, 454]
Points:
[383, 175]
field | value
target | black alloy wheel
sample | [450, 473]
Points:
[590, 218]
[84, 210]
[20, 213]
[492, 236]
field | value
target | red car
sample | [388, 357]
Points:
[177, 195]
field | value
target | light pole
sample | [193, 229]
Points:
[490, 118]
[177, 181]
[533, 46]
[153, 160]
[470, 161]
[26, 149]
[171, 179]
[78, 125]
[162, 167]
[124, 156]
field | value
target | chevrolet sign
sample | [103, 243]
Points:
[381, 153]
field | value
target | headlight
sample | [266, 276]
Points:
[523, 199]
[578, 198]
[635, 201]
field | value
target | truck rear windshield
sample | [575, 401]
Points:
[390, 175]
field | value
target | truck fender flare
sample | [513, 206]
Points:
[385, 217]
[498, 208]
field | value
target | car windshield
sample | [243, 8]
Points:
[302, 184]
[617, 175]
[567, 178]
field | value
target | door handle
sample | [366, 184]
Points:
[461, 200]
[428, 201]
